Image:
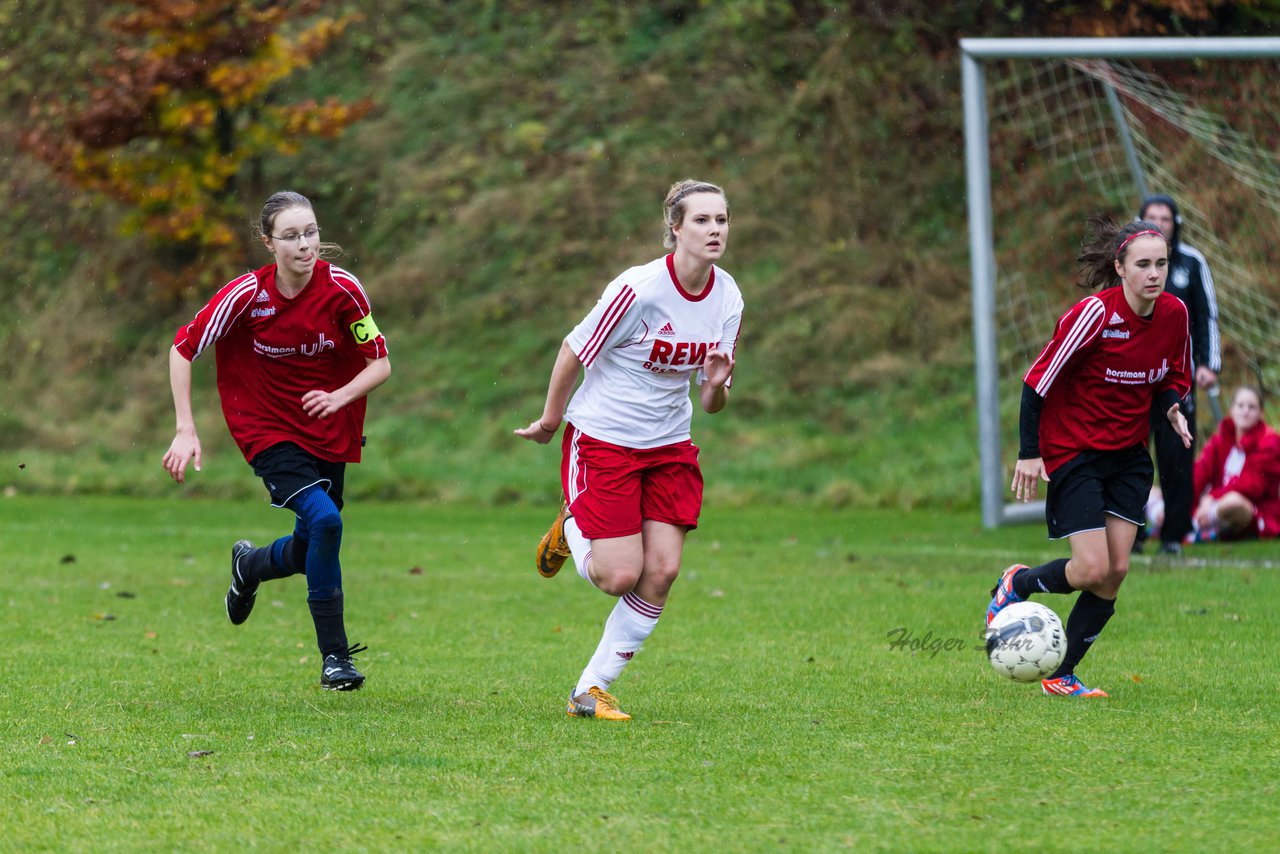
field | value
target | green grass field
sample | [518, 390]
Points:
[771, 712]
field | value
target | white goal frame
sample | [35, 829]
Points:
[974, 52]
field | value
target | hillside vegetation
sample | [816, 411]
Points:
[515, 163]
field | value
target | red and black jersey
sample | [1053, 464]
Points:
[271, 350]
[1101, 371]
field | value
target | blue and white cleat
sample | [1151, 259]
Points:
[1069, 686]
[1002, 594]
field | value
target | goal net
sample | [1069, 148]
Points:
[1069, 135]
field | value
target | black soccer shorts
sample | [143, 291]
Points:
[1093, 484]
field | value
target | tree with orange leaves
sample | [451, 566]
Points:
[185, 106]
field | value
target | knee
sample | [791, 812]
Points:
[1099, 571]
[1117, 572]
[615, 581]
[615, 573]
[1234, 511]
[661, 574]
[326, 526]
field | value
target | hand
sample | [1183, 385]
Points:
[536, 432]
[1027, 475]
[321, 404]
[1205, 378]
[184, 448]
[718, 367]
[1179, 422]
[1207, 514]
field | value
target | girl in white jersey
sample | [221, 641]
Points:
[630, 472]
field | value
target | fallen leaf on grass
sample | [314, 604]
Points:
[46, 739]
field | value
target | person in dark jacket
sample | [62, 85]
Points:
[1190, 281]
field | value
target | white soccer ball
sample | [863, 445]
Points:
[1026, 642]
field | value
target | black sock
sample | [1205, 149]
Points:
[331, 632]
[1048, 577]
[285, 557]
[1084, 624]
[255, 566]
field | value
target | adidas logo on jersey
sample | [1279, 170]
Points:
[666, 329]
[263, 296]
[1115, 318]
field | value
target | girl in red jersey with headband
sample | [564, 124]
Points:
[1086, 403]
[297, 351]
[630, 473]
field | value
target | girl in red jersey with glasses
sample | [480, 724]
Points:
[297, 351]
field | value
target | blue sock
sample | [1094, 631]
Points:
[323, 523]
[289, 554]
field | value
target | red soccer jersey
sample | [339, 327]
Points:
[1101, 371]
[272, 350]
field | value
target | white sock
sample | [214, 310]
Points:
[579, 545]
[630, 623]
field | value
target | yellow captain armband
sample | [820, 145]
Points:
[365, 330]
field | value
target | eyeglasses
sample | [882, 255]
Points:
[293, 237]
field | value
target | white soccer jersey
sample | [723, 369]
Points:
[640, 346]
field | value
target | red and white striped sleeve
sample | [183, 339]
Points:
[1179, 378]
[217, 318]
[609, 323]
[358, 315]
[1076, 330]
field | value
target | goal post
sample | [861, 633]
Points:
[1117, 167]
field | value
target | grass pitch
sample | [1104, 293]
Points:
[771, 709]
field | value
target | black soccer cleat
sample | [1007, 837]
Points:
[244, 583]
[339, 674]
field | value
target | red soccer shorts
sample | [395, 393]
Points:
[612, 489]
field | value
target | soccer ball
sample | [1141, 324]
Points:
[1026, 642]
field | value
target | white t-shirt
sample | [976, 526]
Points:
[640, 346]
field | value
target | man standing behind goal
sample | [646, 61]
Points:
[1190, 281]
